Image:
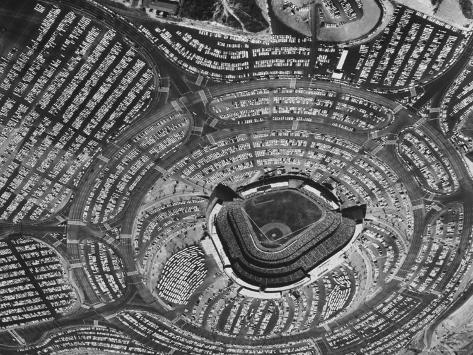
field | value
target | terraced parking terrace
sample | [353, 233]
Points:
[236, 177]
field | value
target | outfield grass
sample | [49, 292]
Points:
[287, 207]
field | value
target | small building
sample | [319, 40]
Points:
[167, 6]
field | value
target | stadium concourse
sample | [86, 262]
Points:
[167, 189]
